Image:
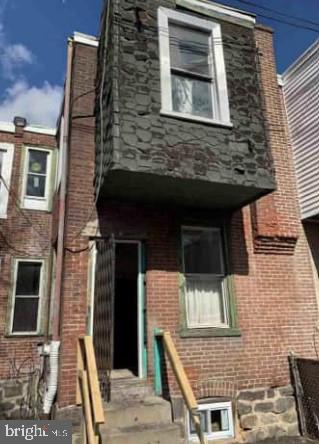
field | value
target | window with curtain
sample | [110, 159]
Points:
[37, 173]
[193, 74]
[204, 271]
[38, 178]
[191, 71]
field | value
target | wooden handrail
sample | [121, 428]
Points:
[183, 382]
[88, 392]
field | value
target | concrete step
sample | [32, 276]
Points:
[144, 434]
[130, 388]
[151, 409]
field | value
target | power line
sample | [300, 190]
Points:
[13, 248]
[297, 25]
[17, 203]
[265, 8]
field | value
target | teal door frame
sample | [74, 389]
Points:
[141, 306]
[142, 371]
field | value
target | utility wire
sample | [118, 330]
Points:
[276, 11]
[17, 203]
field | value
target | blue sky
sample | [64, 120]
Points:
[33, 36]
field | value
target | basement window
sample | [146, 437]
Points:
[27, 296]
[193, 77]
[216, 421]
[6, 160]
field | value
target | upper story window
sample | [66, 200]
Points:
[193, 77]
[37, 179]
[6, 160]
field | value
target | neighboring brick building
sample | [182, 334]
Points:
[28, 159]
[177, 177]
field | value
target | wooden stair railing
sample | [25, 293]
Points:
[88, 393]
[182, 379]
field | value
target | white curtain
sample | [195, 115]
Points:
[204, 303]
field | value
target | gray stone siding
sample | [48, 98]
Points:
[15, 400]
[267, 413]
[144, 141]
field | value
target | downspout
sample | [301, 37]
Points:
[53, 349]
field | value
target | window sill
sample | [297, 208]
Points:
[197, 119]
[24, 335]
[209, 332]
[3, 216]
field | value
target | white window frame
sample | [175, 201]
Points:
[230, 433]
[34, 202]
[219, 85]
[6, 174]
[40, 298]
[205, 276]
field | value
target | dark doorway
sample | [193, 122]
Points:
[126, 307]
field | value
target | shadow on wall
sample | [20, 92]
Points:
[312, 235]
[160, 229]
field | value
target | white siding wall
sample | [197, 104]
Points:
[301, 92]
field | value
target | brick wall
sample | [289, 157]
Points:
[79, 210]
[24, 234]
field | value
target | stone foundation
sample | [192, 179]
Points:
[15, 399]
[267, 413]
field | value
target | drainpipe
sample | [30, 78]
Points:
[53, 348]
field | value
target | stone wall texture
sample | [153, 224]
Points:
[16, 398]
[138, 138]
[267, 413]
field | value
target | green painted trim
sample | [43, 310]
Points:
[158, 386]
[209, 332]
[233, 329]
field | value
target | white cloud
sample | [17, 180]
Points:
[13, 57]
[38, 105]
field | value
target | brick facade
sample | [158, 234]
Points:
[26, 234]
[272, 274]
[270, 266]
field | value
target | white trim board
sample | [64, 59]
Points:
[6, 173]
[219, 11]
[9, 127]
[218, 84]
[86, 39]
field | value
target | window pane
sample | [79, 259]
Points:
[38, 161]
[203, 422]
[192, 96]
[28, 278]
[202, 252]
[205, 303]
[36, 185]
[25, 315]
[189, 49]
[219, 420]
